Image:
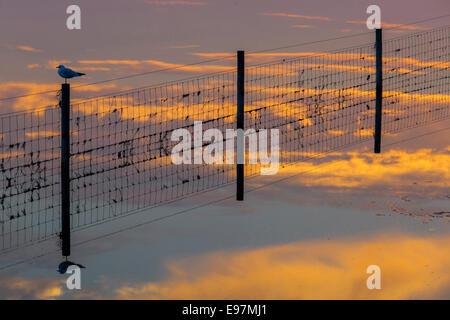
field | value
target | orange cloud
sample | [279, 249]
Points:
[402, 61]
[19, 288]
[160, 107]
[25, 88]
[33, 66]
[28, 49]
[393, 61]
[197, 68]
[336, 132]
[290, 15]
[113, 62]
[96, 69]
[42, 134]
[178, 67]
[392, 25]
[33, 102]
[154, 113]
[395, 31]
[302, 26]
[411, 267]
[393, 64]
[395, 167]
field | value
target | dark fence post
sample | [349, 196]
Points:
[379, 89]
[65, 169]
[240, 157]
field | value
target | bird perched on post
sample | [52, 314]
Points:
[63, 266]
[67, 73]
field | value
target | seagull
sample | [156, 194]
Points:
[67, 73]
[63, 266]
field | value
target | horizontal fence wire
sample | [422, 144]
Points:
[121, 145]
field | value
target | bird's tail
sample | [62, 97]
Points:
[81, 74]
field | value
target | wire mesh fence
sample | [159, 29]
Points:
[29, 177]
[318, 103]
[121, 145]
[419, 92]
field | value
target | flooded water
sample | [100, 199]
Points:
[309, 232]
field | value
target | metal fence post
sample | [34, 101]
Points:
[65, 169]
[240, 157]
[379, 89]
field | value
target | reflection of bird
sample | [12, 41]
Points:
[67, 73]
[62, 268]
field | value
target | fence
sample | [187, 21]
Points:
[121, 144]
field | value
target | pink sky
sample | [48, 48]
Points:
[34, 37]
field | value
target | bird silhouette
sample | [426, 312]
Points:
[67, 73]
[63, 266]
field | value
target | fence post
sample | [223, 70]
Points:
[240, 157]
[65, 168]
[379, 89]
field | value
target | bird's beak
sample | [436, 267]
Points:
[57, 67]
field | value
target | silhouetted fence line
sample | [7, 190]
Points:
[120, 145]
